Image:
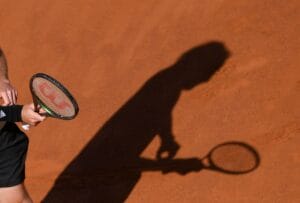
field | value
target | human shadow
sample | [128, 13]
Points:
[102, 171]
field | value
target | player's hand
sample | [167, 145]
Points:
[31, 117]
[8, 93]
[167, 150]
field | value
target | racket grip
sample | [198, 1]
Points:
[25, 126]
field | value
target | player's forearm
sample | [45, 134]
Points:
[3, 66]
[11, 113]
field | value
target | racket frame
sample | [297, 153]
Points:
[37, 101]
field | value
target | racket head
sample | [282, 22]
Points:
[233, 158]
[53, 97]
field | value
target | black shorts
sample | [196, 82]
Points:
[13, 150]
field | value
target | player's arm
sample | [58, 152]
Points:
[17, 113]
[7, 92]
[169, 146]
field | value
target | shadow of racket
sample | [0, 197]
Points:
[230, 158]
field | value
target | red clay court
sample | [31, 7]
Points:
[202, 72]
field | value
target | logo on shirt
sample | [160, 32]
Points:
[2, 114]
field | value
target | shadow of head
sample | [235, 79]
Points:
[200, 63]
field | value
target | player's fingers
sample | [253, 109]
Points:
[34, 121]
[5, 99]
[38, 117]
[42, 111]
[12, 96]
[34, 107]
[43, 118]
[37, 108]
[9, 96]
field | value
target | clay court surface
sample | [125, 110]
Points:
[118, 59]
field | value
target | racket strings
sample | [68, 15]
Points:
[54, 98]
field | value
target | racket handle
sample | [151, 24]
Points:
[25, 126]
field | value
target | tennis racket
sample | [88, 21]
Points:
[52, 97]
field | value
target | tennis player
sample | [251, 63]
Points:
[13, 142]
